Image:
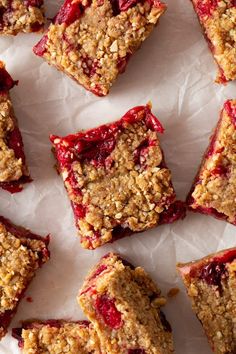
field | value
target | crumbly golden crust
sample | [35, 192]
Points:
[216, 182]
[124, 304]
[215, 307]
[126, 193]
[64, 337]
[219, 25]
[95, 47]
[20, 16]
[20, 258]
[11, 168]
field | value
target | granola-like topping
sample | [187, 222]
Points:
[218, 18]
[213, 301]
[19, 258]
[216, 183]
[93, 44]
[124, 183]
[124, 305]
[21, 16]
[63, 337]
[11, 168]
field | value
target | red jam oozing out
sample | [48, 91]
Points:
[36, 26]
[205, 8]
[29, 299]
[106, 308]
[69, 12]
[124, 5]
[15, 142]
[97, 144]
[6, 81]
[175, 211]
[213, 272]
[40, 48]
[136, 351]
[142, 150]
[231, 111]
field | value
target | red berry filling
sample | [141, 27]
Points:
[205, 8]
[124, 5]
[213, 272]
[69, 12]
[122, 62]
[40, 48]
[231, 111]
[175, 211]
[108, 311]
[79, 210]
[34, 3]
[6, 81]
[136, 351]
[220, 171]
[89, 66]
[165, 323]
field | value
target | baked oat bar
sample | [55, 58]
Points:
[57, 337]
[13, 169]
[214, 188]
[21, 16]
[21, 253]
[117, 179]
[93, 40]
[218, 18]
[123, 303]
[211, 286]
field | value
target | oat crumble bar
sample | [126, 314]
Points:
[116, 178]
[21, 16]
[211, 286]
[218, 21]
[93, 40]
[13, 169]
[57, 337]
[214, 189]
[123, 303]
[21, 254]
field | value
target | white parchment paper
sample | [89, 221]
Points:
[174, 70]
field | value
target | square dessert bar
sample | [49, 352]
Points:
[22, 253]
[57, 337]
[123, 303]
[117, 179]
[21, 16]
[92, 40]
[211, 286]
[214, 188]
[13, 169]
[217, 18]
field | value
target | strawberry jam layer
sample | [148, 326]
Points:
[106, 308]
[40, 48]
[136, 351]
[69, 12]
[95, 145]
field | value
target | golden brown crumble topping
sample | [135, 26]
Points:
[68, 337]
[137, 301]
[11, 168]
[124, 194]
[219, 23]
[19, 259]
[93, 48]
[20, 16]
[214, 307]
[217, 177]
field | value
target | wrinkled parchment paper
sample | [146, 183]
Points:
[174, 70]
